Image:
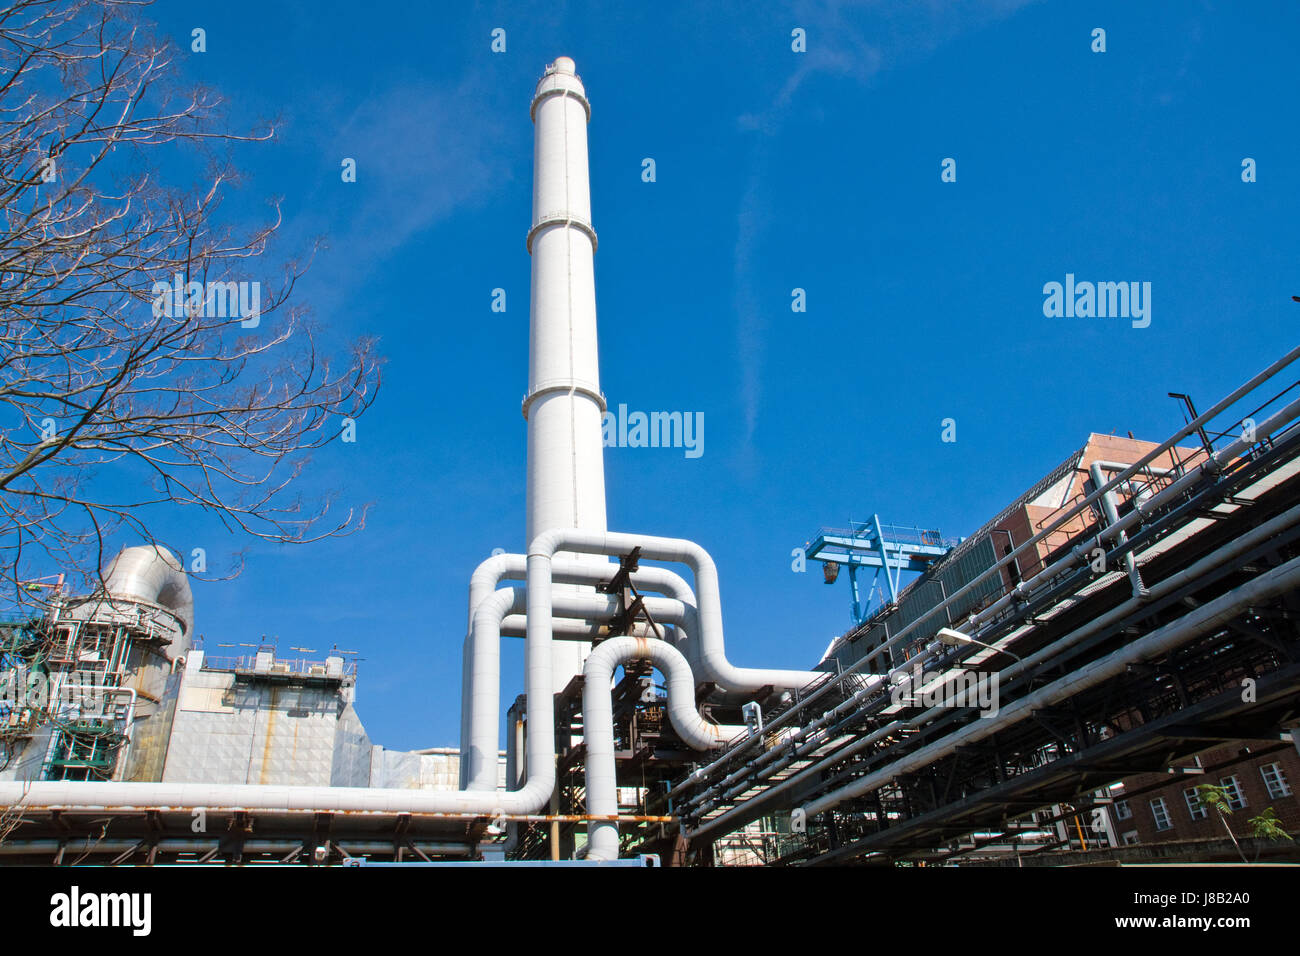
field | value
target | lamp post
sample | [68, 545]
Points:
[951, 638]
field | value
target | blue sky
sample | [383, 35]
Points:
[775, 170]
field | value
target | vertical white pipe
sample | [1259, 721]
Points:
[480, 679]
[598, 726]
[566, 471]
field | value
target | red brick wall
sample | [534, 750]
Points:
[1247, 771]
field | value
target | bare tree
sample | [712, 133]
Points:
[135, 339]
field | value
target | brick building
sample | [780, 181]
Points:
[1164, 807]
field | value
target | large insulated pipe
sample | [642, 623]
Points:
[499, 567]
[712, 648]
[577, 609]
[480, 760]
[148, 574]
[480, 695]
[532, 797]
[565, 485]
[598, 726]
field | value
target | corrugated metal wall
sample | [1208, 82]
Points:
[918, 601]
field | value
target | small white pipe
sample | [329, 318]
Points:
[1140, 491]
[598, 726]
[516, 625]
[1110, 513]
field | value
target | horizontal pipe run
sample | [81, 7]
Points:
[370, 801]
[1208, 616]
[712, 658]
[1227, 552]
[1274, 424]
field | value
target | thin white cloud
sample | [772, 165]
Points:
[854, 40]
[423, 152]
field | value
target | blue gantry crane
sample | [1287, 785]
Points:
[887, 548]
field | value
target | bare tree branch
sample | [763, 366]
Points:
[135, 338]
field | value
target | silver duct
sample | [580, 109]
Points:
[149, 574]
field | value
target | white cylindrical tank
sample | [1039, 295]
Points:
[564, 407]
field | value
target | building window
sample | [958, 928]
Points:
[1236, 799]
[1275, 780]
[1161, 814]
[1130, 838]
[1194, 805]
[1122, 810]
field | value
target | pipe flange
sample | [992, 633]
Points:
[594, 394]
[558, 91]
[580, 224]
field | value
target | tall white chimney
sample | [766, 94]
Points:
[566, 468]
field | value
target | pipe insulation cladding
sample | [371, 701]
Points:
[565, 485]
[711, 652]
[480, 682]
[151, 575]
[598, 726]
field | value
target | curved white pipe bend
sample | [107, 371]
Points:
[499, 567]
[540, 568]
[481, 655]
[480, 759]
[713, 662]
[598, 725]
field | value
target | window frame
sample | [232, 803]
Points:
[1163, 811]
[1284, 785]
[1231, 785]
